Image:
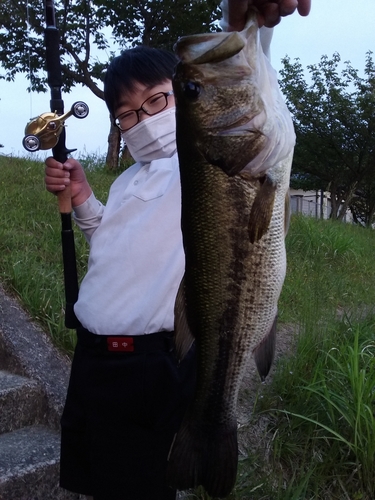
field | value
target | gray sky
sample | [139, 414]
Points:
[343, 26]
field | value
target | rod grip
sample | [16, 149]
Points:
[70, 270]
[65, 201]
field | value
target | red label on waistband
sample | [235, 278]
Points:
[125, 344]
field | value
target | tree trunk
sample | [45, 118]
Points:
[125, 154]
[370, 216]
[354, 216]
[114, 139]
[334, 203]
[347, 201]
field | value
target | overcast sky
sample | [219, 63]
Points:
[343, 26]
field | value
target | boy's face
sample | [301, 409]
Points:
[132, 101]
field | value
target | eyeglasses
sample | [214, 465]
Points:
[151, 106]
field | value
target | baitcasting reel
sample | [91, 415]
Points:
[43, 131]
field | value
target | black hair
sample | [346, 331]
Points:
[142, 64]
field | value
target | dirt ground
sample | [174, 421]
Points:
[251, 384]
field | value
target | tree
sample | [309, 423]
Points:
[84, 27]
[363, 206]
[363, 202]
[158, 23]
[22, 46]
[22, 43]
[334, 118]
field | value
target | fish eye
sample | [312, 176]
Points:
[192, 90]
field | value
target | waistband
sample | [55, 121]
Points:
[160, 341]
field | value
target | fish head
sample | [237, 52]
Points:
[219, 109]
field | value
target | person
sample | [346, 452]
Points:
[127, 392]
[270, 12]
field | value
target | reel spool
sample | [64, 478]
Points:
[43, 131]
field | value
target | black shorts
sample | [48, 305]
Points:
[121, 413]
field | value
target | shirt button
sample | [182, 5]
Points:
[135, 183]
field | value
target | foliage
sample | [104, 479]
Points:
[320, 408]
[334, 118]
[22, 46]
[363, 202]
[85, 26]
[158, 24]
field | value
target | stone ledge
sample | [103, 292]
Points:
[27, 351]
[22, 402]
[29, 465]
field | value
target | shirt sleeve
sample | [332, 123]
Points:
[88, 216]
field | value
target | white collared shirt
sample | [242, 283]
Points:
[136, 257]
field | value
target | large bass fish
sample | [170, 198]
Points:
[235, 141]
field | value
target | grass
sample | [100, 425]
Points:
[319, 441]
[330, 269]
[321, 403]
[30, 242]
[321, 411]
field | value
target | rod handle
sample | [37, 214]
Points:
[65, 201]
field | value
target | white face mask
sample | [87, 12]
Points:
[153, 138]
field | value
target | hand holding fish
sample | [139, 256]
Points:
[269, 12]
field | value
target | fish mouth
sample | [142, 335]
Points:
[238, 131]
[244, 126]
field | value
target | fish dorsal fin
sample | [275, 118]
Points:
[261, 210]
[183, 336]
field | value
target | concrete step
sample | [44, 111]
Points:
[29, 463]
[33, 381]
[22, 402]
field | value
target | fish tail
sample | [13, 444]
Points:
[204, 457]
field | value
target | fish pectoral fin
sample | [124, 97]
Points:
[265, 352]
[230, 46]
[183, 336]
[261, 211]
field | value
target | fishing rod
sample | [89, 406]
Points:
[48, 131]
